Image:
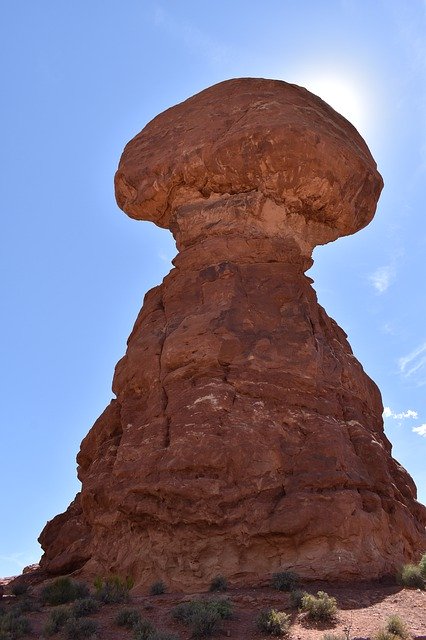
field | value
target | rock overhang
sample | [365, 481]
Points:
[253, 135]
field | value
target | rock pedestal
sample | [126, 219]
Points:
[245, 437]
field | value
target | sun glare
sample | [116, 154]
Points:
[342, 96]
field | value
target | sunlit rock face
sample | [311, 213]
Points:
[245, 437]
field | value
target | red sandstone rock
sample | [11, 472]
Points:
[245, 437]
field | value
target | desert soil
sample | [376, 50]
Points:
[363, 609]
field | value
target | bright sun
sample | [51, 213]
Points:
[342, 96]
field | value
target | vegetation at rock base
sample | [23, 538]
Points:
[19, 589]
[143, 630]
[319, 608]
[13, 625]
[84, 607]
[163, 635]
[113, 590]
[80, 628]
[63, 590]
[56, 620]
[296, 597]
[422, 566]
[157, 588]
[203, 616]
[285, 581]
[219, 583]
[128, 618]
[411, 576]
[276, 623]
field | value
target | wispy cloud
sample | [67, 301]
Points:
[191, 36]
[382, 278]
[19, 560]
[414, 364]
[165, 258]
[404, 415]
[421, 430]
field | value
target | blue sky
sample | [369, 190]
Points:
[79, 79]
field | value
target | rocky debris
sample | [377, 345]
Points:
[245, 437]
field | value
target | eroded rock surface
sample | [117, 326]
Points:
[245, 437]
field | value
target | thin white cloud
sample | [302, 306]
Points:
[382, 278]
[18, 559]
[414, 362]
[165, 258]
[404, 415]
[191, 36]
[421, 430]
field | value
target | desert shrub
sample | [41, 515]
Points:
[385, 635]
[80, 628]
[13, 626]
[143, 630]
[56, 620]
[128, 618]
[185, 611]
[296, 597]
[157, 588]
[84, 607]
[113, 590]
[276, 623]
[26, 605]
[397, 626]
[163, 635]
[19, 589]
[333, 636]
[319, 608]
[204, 623]
[63, 590]
[411, 577]
[203, 616]
[285, 581]
[422, 566]
[219, 583]
[223, 606]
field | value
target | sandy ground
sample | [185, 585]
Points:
[363, 609]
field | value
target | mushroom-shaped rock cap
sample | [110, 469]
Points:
[248, 135]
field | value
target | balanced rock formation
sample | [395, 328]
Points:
[245, 437]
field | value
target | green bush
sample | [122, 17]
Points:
[185, 611]
[422, 566]
[143, 630]
[397, 626]
[56, 620]
[163, 635]
[158, 588]
[219, 583]
[63, 590]
[84, 607]
[13, 625]
[19, 588]
[319, 608]
[128, 618]
[285, 581]
[203, 616]
[296, 597]
[385, 635]
[204, 623]
[26, 605]
[276, 623]
[80, 628]
[113, 590]
[411, 577]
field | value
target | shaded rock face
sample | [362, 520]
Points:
[245, 437]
